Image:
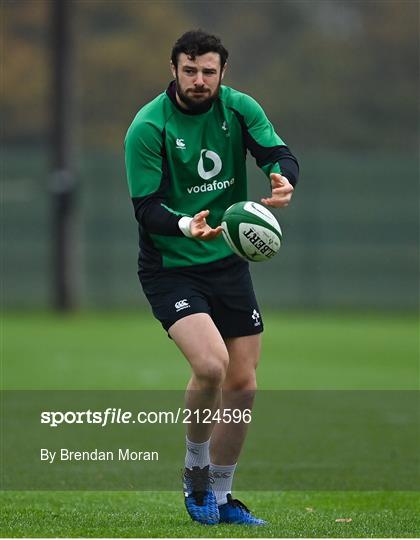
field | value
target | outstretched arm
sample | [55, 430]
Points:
[269, 150]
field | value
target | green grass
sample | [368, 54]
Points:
[116, 514]
[130, 351]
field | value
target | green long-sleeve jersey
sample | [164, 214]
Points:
[179, 163]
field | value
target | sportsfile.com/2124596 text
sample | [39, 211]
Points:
[112, 416]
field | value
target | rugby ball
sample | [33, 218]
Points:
[251, 231]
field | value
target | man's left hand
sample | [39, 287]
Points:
[281, 192]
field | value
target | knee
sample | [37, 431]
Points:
[212, 371]
[246, 382]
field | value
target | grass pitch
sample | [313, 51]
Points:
[130, 351]
[116, 514]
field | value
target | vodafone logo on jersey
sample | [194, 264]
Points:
[214, 185]
[217, 164]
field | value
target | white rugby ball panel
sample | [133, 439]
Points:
[263, 213]
[258, 242]
[229, 241]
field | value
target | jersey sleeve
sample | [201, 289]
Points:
[269, 150]
[148, 178]
[143, 159]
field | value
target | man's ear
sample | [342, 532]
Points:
[223, 72]
[173, 69]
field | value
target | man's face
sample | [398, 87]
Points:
[198, 81]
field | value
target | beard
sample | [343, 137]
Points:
[203, 105]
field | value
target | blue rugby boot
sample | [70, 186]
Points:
[200, 500]
[236, 512]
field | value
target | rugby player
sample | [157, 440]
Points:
[185, 160]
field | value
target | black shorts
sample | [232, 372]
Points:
[223, 289]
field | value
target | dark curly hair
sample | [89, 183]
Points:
[197, 42]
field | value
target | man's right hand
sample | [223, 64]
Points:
[201, 230]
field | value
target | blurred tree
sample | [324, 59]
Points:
[341, 74]
[338, 73]
[124, 52]
[25, 65]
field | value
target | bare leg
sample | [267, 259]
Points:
[238, 393]
[202, 345]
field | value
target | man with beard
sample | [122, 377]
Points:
[185, 160]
